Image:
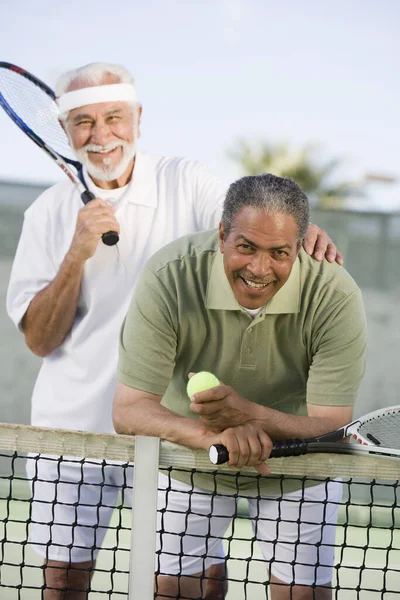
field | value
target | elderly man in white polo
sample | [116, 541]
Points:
[69, 293]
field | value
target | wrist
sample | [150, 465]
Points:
[203, 437]
[251, 411]
[188, 432]
[258, 415]
[74, 259]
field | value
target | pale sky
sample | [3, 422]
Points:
[210, 72]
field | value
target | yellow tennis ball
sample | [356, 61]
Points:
[200, 382]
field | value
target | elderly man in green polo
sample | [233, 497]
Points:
[286, 337]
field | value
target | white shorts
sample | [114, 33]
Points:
[72, 505]
[296, 533]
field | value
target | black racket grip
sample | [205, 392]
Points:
[219, 454]
[111, 237]
[289, 448]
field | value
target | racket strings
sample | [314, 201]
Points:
[385, 429]
[36, 109]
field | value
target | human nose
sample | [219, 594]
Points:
[260, 265]
[100, 134]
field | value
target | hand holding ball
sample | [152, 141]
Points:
[200, 382]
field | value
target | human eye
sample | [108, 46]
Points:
[83, 123]
[280, 254]
[245, 248]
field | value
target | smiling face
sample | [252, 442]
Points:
[104, 137]
[259, 253]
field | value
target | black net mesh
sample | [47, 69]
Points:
[208, 540]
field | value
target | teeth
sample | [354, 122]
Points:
[102, 150]
[257, 286]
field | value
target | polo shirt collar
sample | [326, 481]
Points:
[221, 297]
[142, 189]
[143, 186]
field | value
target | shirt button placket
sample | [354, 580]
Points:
[248, 354]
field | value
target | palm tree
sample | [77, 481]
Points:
[302, 166]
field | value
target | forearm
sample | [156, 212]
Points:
[51, 313]
[140, 413]
[148, 417]
[280, 426]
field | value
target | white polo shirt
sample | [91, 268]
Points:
[166, 198]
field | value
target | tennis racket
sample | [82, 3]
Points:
[31, 104]
[377, 433]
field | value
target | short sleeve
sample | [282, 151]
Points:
[339, 346]
[148, 337]
[210, 194]
[33, 267]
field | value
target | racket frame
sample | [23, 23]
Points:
[111, 237]
[328, 442]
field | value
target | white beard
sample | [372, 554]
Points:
[106, 172]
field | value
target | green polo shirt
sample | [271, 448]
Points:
[307, 345]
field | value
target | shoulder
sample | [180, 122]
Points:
[188, 253]
[324, 282]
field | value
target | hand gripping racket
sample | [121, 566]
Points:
[31, 104]
[377, 433]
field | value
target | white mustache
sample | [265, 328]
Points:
[107, 148]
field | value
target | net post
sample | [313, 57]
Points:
[144, 518]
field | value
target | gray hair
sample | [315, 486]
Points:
[93, 74]
[269, 193]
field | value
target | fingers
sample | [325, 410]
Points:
[205, 408]
[266, 445]
[211, 407]
[263, 469]
[310, 238]
[319, 245]
[219, 392]
[248, 445]
[332, 254]
[93, 220]
[339, 257]
[98, 217]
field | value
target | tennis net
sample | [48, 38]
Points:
[118, 557]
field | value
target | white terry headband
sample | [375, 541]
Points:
[116, 92]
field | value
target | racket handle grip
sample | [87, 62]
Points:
[219, 454]
[289, 448]
[111, 237]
